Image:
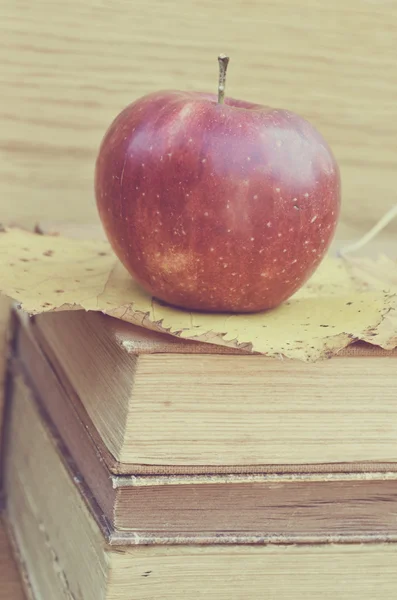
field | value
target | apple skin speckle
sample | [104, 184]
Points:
[181, 181]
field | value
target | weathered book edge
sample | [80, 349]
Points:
[116, 538]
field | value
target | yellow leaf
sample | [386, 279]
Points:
[345, 300]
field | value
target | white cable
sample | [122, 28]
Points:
[377, 228]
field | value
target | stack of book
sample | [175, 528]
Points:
[141, 466]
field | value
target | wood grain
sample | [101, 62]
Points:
[67, 68]
[10, 584]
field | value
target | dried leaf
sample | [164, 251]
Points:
[345, 300]
[379, 274]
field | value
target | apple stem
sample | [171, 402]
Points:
[223, 62]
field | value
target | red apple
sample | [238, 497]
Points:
[216, 206]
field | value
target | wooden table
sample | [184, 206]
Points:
[10, 581]
[69, 67]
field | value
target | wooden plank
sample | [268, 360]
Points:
[69, 68]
